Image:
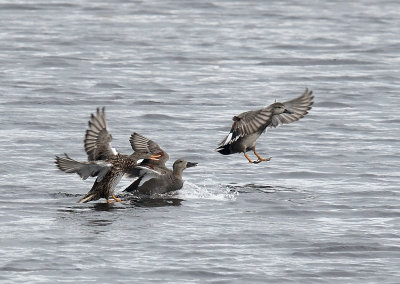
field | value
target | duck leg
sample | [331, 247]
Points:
[115, 198]
[248, 158]
[259, 158]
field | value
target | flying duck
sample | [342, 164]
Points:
[248, 126]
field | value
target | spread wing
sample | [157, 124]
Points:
[97, 139]
[257, 121]
[139, 143]
[248, 123]
[83, 169]
[295, 109]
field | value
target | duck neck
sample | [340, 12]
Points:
[177, 172]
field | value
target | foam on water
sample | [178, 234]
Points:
[209, 189]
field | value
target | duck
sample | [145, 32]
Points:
[108, 172]
[248, 126]
[103, 160]
[152, 182]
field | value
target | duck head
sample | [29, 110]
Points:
[182, 164]
[279, 108]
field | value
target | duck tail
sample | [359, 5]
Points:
[87, 198]
[224, 149]
[134, 185]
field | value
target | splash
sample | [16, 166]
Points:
[209, 189]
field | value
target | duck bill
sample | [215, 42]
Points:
[155, 157]
[190, 165]
[287, 111]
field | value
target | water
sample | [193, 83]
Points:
[324, 209]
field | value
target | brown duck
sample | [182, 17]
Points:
[103, 161]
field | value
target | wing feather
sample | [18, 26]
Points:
[139, 143]
[297, 109]
[98, 139]
[83, 169]
[247, 123]
[251, 122]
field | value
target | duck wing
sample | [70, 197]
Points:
[83, 169]
[98, 139]
[143, 144]
[295, 109]
[247, 123]
[139, 143]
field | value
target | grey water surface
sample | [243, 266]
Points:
[325, 209]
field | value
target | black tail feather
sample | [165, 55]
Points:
[224, 150]
[134, 185]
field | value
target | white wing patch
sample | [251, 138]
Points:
[230, 139]
[115, 152]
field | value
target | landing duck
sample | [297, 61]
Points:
[248, 126]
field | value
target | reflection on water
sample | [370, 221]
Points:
[98, 222]
[104, 206]
[155, 202]
[135, 201]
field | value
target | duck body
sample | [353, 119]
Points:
[104, 187]
[109, 172]
[152, 182]
[243, 144]
[165, 183]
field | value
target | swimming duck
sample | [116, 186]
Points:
[248, 126]
[153, 182]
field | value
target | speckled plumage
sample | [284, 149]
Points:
[120, 164]
[103, 161]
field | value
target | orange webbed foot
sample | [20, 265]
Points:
[116, 198]
[260, 159]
